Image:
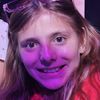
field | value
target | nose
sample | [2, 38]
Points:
[47, 56]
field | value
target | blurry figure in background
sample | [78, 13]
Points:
[53, 53]
[3, 38]
[3, 41]
[3, 45]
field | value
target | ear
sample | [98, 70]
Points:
[82, 48]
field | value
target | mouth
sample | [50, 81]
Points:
[51, 70]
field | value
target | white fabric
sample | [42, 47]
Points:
[3, 39]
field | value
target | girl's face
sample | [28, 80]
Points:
[50, 50]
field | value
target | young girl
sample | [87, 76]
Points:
[53, 53]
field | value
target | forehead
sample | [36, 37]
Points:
[47, 22]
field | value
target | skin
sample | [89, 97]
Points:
[1, 70]
[46, 44]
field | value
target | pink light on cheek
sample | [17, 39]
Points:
[28, 57]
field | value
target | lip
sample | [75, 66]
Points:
[53, 75]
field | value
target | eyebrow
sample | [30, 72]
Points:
[28, 40]
[64, 33]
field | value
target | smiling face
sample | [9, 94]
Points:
[50, 50]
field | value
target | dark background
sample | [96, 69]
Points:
[92, 12]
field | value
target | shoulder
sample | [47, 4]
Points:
[90, 89]
[36, 97]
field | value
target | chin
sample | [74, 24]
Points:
[53, 85]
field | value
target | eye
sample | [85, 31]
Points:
[29, 45]
[59, 40]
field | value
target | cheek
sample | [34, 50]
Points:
[68, 51]
[71, 54]
[28, 58]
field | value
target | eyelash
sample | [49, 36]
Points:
[30, 45]
[62, 41]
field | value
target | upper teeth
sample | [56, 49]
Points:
[51, 70]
